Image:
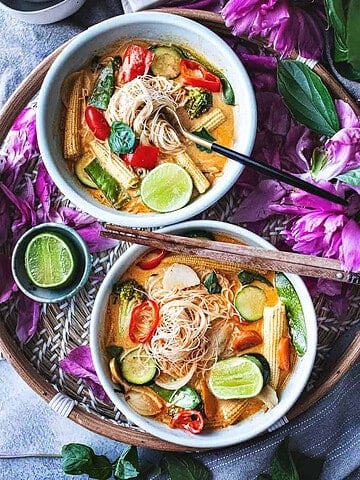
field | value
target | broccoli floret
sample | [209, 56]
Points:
[130, 293]
[199, 101]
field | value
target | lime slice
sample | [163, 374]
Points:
[236, 377]
[49, 261]
[166, 188]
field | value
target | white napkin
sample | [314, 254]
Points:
[136, 5]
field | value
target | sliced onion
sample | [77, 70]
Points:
[144, 401]
[167, 381]
[268, 396]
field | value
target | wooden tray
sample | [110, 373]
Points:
[35, 363]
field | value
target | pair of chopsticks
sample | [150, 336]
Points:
[230, 253]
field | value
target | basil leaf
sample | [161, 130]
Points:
[353, 37]
[318, 161]
[80, 459]
[351, 177]
[247, 277]
[211, 283]
[336, 18]
[122, 138]
[127, 466]
[308, 467]
[182, 466]
[307, 98]
[283, 466]
[264, 476]
[114, 351]
[104, 87]
[203, 133]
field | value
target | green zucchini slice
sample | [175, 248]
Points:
[250, 302]
[138, 368]
[166, 62]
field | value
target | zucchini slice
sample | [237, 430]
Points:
[138, 368]
[166, 62]
[250, 302]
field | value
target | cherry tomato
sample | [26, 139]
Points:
[136, 61]
[144, 156]
[97, 123]
[151, 259]
[195, 75]
[190, 420]
[144, 320]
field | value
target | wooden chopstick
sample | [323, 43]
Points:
[231, 253]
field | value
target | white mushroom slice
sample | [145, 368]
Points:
[179, 276]
[268, 397]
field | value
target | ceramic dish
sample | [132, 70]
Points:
[245, 429]
[157, 27]
[40, 11]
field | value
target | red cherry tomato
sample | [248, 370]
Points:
[144, 156]
[144, 320]
[190, 420]
[195, 75]
[136, 61]
[97, 123]
[151, 259]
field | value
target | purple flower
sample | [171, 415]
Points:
[28, 318]
[7, 283]
[284, 26]
[79, 364]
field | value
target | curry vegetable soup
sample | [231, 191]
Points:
[200, 345]
[116, 134]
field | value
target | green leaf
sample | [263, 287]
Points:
[336, 18]
[80, 459]
[351, 177]
[307, 97]
[353, 37]
[114, 351]
[308, 468]
[264, 476]
[122, 138]
[283, 466]
[211, 283]
[203, 133]
[183, 466]
[127, 466]
[318, 161]
[246, 277]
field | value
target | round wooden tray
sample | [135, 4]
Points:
[36, 369]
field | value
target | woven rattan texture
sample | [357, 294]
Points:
[65, 325]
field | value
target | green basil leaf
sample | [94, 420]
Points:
[308, 467]
[211, 283]
[114, 351]
[122, 138]
[80, 459]
[346, 70]
[203, 133]
[307, 98]
[283, 466]
[336, 18]
[247, 277]
[127, 466]
[351, 177]
[183, 466]
[264, 476]
[318, 161]
[353, 37]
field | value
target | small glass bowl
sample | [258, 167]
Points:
[51, 295]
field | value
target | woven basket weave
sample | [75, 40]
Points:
[66, 325]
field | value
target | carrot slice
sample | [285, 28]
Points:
[246, 339]
[283, 352]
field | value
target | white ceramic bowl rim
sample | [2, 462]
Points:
[230, 435]
[232, 169]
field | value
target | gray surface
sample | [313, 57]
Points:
[27, 424]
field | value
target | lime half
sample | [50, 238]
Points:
[166, 188]
[49, 261]
[236, 377]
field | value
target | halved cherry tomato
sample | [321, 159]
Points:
[190, 420]
[97, 123]
[195, 75]
[151, 259]
[144, 320]
[136, 61]
[144, 156]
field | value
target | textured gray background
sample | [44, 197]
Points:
[27, 424]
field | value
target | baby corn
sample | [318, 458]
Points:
[209, 121]
[200, 181]
[72, 139]
[113, 165]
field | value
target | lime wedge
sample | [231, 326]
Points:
[235, 377]
[49, 262]
[166, 188]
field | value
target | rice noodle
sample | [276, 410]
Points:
[138, 103]
[192, 322]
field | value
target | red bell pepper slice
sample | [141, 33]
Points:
[151, 259]
[195, 75]
[136, 61]
[97, 123]
[190, 420]
[144, 156]
[144, 320]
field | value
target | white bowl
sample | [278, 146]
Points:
[246, 429]
[159, 27]
[41, 11]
